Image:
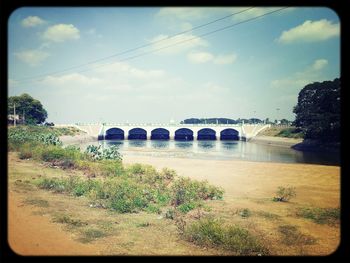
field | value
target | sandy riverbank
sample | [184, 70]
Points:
[275, 141]
[316, 184]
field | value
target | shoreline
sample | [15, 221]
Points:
[275, 141]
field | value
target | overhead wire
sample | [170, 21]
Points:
[136, 48]
[168, 46]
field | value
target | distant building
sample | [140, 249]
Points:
[11, 118]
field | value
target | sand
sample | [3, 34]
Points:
[317, 185]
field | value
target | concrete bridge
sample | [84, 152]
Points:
[109, 131]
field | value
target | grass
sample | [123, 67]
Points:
[292, 236]
[268, 215]
[37, 202]
[276, 131]
[68, 220]
[210, 232]
[145, 224]
[329, 216]
[91, 234]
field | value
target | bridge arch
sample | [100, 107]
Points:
[229, 134]
[160, 134]
[114, 134]
[137, 134]
[206, 134]
[184, 134]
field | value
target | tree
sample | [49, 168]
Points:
[31, 108]
[284, 122]
[318, 111]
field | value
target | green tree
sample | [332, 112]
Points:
[284, 122]
[318, 111]
[30, 107]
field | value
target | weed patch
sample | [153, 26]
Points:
[329, 216]
[91, 235]
[37, 202]
[67, 219]
[268, 215]
[244, 212]
[292, 236]
[211, 232]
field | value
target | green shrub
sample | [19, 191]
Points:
[153, 208]
[100, 153]
[55, 184]
[125, 196]
[296, 133]
[53, 153]
[26, 151]
[185, 190]
[186, 207]
[168, 174]
[211, 232]
[284, 194]
[111, 167]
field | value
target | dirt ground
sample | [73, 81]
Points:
[248, 185]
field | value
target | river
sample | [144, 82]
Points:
[218, 150]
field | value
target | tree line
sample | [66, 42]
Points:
[232, 121]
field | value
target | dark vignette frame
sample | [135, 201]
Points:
[339, 6]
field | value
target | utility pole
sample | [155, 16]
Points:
[14, 114]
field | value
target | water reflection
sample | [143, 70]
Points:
[160, 144]
[222, 150]
[137, 143]
[227, 145]
[118, 143]
[207, 144]
[183, 144]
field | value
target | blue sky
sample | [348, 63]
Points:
[249, 70]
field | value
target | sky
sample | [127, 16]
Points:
[118, 64]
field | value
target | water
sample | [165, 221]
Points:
[219, 150]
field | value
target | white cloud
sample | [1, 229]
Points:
[32, 57]
[32, 21]
[120, 69]
[319, 64]
[310, 31]
[61, 33]
[184, 13]
[177, 44]
[200, 57]
[225, 59]
[250, 13]
[203, 57]
[310, 74]
[71, 80]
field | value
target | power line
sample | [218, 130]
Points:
[186, 40]
[136, 48]
[183, 41]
